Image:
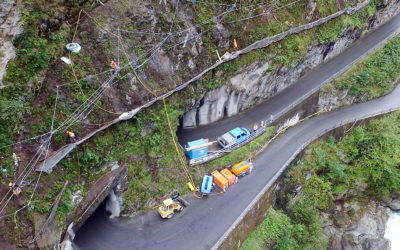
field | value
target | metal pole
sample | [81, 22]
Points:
[250, 151]
[118, 46]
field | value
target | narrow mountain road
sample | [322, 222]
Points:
[299, 90]
[202, 224]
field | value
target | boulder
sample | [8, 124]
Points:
[373, 244]
[394, 204]
[221, 36]
[335, 244]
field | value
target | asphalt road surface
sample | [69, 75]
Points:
[201, 224]
[309, 83]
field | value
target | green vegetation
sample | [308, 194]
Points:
[36, 50]
[373, 76]
[279, 231]
[364, 163]
[143, 145]
[290, 50]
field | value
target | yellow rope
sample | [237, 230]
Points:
[77, 25]
[98, 24]
[198, 196]
[74, 74]
[150, 91]
[165, 107]
[124, 51]
[176, 146]
[284, 129]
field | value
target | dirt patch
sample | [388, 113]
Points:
[341, 4]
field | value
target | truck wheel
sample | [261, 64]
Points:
[170, 216]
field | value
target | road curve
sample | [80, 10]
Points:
[275, 106]
[299, 90]
[201, 224]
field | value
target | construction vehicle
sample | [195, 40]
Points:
[168, 208]
[207, 184]
[220, 180]
[232, 137]
[232, 179]
[242, 168]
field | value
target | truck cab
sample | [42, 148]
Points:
[236, 135]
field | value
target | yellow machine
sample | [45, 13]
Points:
[168, 208]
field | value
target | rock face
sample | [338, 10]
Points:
[330, 98]
[113, 206]
[260, 81]
[357, 226]
[393, 203]
[10, 16]
[221, 36]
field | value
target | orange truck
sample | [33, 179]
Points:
[220, 180]
[242, 168]
[232, 179]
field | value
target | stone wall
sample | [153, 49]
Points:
[96, 195]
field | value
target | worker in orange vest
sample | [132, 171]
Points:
[16, 189]
[114, 66]
[70, 134]
[255, 127]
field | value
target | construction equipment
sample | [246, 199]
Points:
[242, 168]
[220, 180]
[198, 149]
[232, 179]
[207, 184]
[168, 208]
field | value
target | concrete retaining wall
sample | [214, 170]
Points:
[95, 196]
[259, 207]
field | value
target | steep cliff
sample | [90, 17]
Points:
[264, 78]
[171, 42]
[339, 192]
[10, 16]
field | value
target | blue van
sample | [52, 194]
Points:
[207, 184]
